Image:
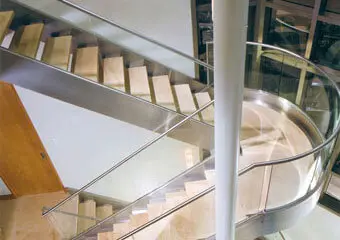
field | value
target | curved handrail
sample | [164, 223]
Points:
[84, 10]
[246, 169]
[291, 26]
[209, 190]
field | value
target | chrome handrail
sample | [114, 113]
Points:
[209, 190]
[171, 49]
[248, 168]
[291, 26]
[126, 159]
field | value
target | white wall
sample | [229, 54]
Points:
[169, 22]
[83, 144]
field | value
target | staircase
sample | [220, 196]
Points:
[88, 63]
[61, 64]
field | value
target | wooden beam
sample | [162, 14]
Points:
[25, 166]
[331, 18]
[293, 8]
[302, 82]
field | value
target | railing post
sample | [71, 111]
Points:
[230, 31]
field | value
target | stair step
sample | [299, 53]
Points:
[210, 175]
[104, 211]
[64, 224]
[185, 100]
[105, 236]
[87, 63]
[114, 73]
[57, 51]
[195, 187]
[138, 220]
[175, 198]
[202, 99]
[88, 209]
[163, 92]
[30, 39]
[5, 21]
[6, 42]
[121, 228]
[139, 83]
[156, 209]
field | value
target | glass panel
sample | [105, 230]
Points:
[195, 220]
[287, 30]
[138, 177]
[326, 49]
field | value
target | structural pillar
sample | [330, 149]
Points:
[230, 31]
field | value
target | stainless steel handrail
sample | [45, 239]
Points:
[84, 10]
[250, 167]
[290, 26]
[126, 159]
[176, 178]
[207, 191]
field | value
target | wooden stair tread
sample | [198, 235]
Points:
[114, 73]
[104, 211]
[87, 63]
[202, 99]
[30, 39]
[88, 209]
[184, 97]
[5, 21]
[156, 209]
[195, 187]
[121, 228]
[138, 220]
[163, 92]
[57, 51]
[105, 236]
[139, 83]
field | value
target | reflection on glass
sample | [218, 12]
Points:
[287, 30]
[327, 49]
[280, 79]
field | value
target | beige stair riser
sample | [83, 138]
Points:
[162, 92]
[114, 73]
[104, 211]
[207, 114]
[87, 63]
[88, 209]
[139, 83]
[29, 41]
[57, 51]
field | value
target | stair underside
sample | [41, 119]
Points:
[67, 87]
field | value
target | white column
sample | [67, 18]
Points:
[230, 31]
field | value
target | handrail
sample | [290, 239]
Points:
[146, 195]
[209, 190]
[291, 26]
[126, 159]
[84, 10]
[248, 168]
